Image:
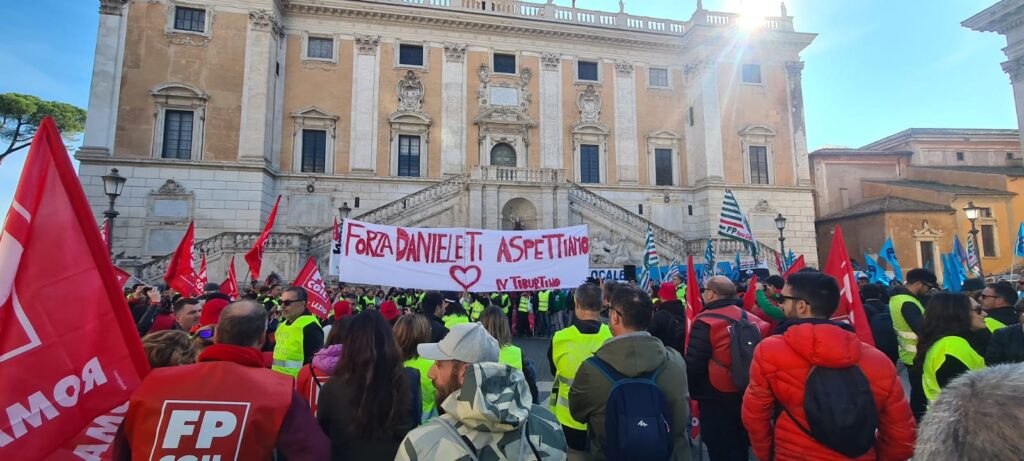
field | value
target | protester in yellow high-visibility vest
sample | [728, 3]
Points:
[543, 308]
[998, 300]
[411, 330]
[525, 305]
[299, 336]
[476, 306]
[948, 344]
[907, 313]
[455, 313]
[569, 348]
[496, 324]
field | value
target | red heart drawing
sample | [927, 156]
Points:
[458, 272]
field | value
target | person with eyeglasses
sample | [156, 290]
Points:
[998, 299]
[906, 306]
[947, 348]
[299, 337]
[1007, 344]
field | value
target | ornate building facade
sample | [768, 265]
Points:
[446, 113]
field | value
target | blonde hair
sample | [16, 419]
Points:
[495, 322]
[411, 330]
[169, 348]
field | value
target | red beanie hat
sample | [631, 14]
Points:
[211, 311]
[667, 292]
[389, 310]
[342, 309]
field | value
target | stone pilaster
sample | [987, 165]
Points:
[551, 124]
[794, 72]
[453, 110]
[104, 94]
[1015, 69]
[365, 71]
[625, 124]
[259, 88]
[705, 137]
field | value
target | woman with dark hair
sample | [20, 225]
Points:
[456, 312]
[366, 409]
[313, 376]
[944, 349]
[411, 330]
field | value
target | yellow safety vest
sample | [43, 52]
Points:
[954, 346]
[511, 355]
[542, 301]
[906, 337]
[681, 293]
[506, 303]
[452, 320]
[569, 348]
[476, 309]
[288, 352]
[427, 391]
[993, 324]
[524, 303]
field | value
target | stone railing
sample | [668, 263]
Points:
[663, 237]
[230, 243]
[715, 18]
[435, 193]
[727, 246]
[511, 174]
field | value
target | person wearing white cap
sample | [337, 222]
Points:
[488, 411]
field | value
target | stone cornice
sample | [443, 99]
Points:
[1015, 68]
[112, 7]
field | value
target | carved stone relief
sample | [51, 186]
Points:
[455, 52]
[367, 44]
[589, 103]
[264, 21]
[410, 93]
[550, 61]
[623, 68]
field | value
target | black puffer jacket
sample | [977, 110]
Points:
[669, 325]
[1006, 346]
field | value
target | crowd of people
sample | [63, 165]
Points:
[409, 375]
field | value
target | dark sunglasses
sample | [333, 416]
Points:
[793, 298]
[205, 333]
[289, 302]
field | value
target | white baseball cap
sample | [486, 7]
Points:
[466, 342]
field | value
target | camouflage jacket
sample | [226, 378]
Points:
[493, 411]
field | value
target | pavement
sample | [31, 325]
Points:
[536, 349]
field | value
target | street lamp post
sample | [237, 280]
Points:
[973, 212]
[113, 185]
[780, 224]
[344, 210]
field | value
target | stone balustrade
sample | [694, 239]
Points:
[491, 173]
[664, 237]
[232, 243]
[732, 246]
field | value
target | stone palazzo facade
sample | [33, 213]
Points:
[443, 113]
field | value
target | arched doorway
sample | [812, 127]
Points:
[503, 154]
[518, 214]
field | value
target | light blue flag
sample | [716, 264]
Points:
[958, 249]
[959, 266]
[737, 268]
[873, 271]
[1018, 249]
[947, 273]
[790, 258]
[709, 260]
[888, 253]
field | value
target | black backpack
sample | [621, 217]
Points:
[638, 421]
[840, 409]
[744, 336]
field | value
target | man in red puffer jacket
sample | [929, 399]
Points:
[776, 412]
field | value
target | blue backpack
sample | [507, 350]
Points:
[637, 421]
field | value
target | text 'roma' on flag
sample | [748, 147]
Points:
[255, 256]
[51, 251]
[733, 224]
[850, 306]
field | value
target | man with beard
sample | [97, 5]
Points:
[489, 412]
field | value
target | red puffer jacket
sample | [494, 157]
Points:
[779, 371]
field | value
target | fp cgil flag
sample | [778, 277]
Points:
[61, 364]
[310, 280]
[201, 278]
[255, 256]
[850, 307]
[181, 275]
[230, 285]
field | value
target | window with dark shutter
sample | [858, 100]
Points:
[177, 142]
[321, 48]
[314, 151]
[590, 164]
[504, 63]
[658, 77]
[758, 165]
[408, 155]
[988, 240]
[410, 55]
[751, 73]
[663, 167]
[190, 19]
[586, 70]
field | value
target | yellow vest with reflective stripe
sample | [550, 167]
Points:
[569, 348]
[511, 355]
[993, 324]
[475, 310]
[906, 337]
[949, 346]
[506, 303]
[681, 293]
[427, 391]
[452, 320]
[288, 352]
[542, 301]
[524, 303]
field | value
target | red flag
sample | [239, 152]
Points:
[797, 265]
[201, 278]
[230, 286]
[121, 276]
[778, 264]
[255, 256]
[694, 303]
[750, 297]
[181, 275]
[51, 252]
[105, 232]
[850, 307]
[310, 280]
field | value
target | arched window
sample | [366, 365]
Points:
[503, 155]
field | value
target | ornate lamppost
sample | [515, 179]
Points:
[113, 185]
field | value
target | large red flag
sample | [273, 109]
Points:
[694, 303]
[255, 256]
[750, 297]
[181, 275]
[201, 278]
[121, 276]
[309, 279]
[91, 355]
[230, 286]
[850, 307]
[797, 265]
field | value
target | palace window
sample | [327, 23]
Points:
[751, 73]
[663, 167]
[177, 140]
[689, 115]
[758, 164]
[657, 78]
[988, 241]
[320, 48]
[410, 55]
[927, 249]
[189, 19]
[408, 155]
[959, 156]
[314, 151]
[586, 71]
[503, 155]
[504, 63]
[590, 164]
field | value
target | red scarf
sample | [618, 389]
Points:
[248, 356]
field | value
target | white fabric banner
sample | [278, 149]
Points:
[473, 260]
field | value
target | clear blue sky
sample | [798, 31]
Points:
[877, 66]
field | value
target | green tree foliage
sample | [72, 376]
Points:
[21, 114]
